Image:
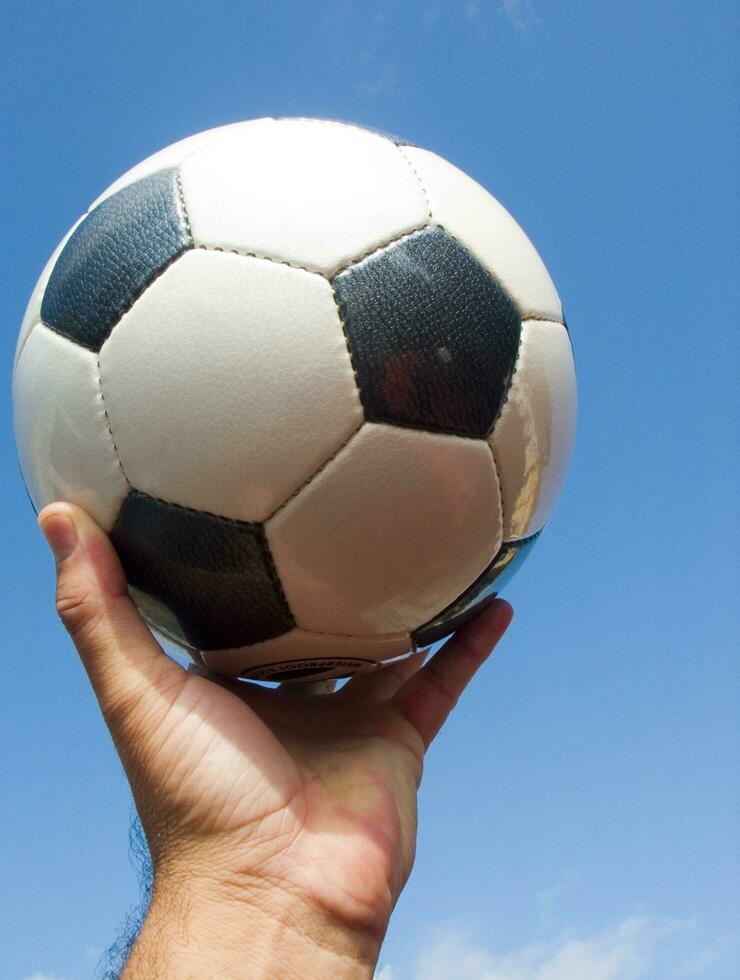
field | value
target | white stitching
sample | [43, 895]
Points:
[257, 255]
[38, 323]
[317, 473]
[542, 319]
[107, 421]
[342, 324]
[183, 206]
[500, 496]
[415, 172]
[328, 276]
[379, 248]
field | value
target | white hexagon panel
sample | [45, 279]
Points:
[228, 384]
[394, 527]
[316, 194]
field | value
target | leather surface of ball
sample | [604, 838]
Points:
[314, 382]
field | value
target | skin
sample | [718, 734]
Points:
[281, 827]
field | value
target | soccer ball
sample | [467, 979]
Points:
[316, 384]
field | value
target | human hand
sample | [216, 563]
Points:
[281, 829]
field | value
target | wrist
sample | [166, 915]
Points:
[196, 929]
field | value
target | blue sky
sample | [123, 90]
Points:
[579, 813]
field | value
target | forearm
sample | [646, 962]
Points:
[193, 933]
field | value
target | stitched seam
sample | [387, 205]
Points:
[183, 206]
[317, 473]
[415, 172]
[231, 521]
[340, 315]
[379, 248]
[543, 319]
[500, 499]
[505, 399]
[107, 422]
[258, 255]
[398, 635]
[424, 426]
[329, 276]
[19, 355]
[272, 570]
[517, 541]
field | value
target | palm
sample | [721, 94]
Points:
[319, 794]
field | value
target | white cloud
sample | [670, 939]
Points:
[637, 948]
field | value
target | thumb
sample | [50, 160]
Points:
[123, 660]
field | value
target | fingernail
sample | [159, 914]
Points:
[60, 534]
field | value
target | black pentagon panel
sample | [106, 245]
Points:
[433, 336]
[476, 597]
[214, 575]
[113, 255]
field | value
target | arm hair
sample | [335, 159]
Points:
[114, 959]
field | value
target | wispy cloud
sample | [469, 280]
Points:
[387, 973]
[378, 75]
[547, 898]
[90, 953]
[383, 80]
[520, 13]
[699, 963]
[621, 953]
[44, 976]
[637, 948]
[480, 15]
